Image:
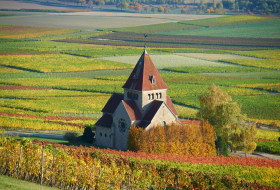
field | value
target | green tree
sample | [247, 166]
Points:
[184, 11]
[221, 145]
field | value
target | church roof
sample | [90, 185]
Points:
[171, 106]
[145, 76]
[113, 103]
[132, 110]
[105, 121]
[152, 111]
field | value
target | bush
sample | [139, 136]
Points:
[70, 136]
[221, 144]
[88, 135]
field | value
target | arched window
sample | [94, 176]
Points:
[100, 134]
[136, 97]
[105, 135]
[163, 124]
[159, 95]
[149, 96]
[133, 96]
[152, 96]
[127, 94]
[156, 95]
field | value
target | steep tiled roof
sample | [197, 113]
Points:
[144, 124]
[171, 106]
[142, 75]
[113, 103]
[105, 121]
[152, 111]
[132, 110]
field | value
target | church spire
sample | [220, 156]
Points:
[145, 76]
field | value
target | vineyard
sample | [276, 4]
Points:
[56, 83]
[62, 166]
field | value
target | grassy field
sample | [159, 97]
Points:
[15, 184]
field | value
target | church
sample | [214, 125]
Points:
[144, 104]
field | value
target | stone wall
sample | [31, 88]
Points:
[164, 114]
[103, 136]
[120, 138]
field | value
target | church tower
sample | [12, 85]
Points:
[144, 84]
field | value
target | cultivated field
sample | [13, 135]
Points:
[61, 83]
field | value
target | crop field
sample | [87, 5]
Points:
[214, 57]
[189, 24]
[58, 63]
[162, 61]
[252, 30]
[257, 74]
[18, 32]
[56, 82]
[261, 63]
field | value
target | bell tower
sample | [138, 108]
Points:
[144, 84]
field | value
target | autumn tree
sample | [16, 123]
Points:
[225, 115]
[160, 9]
[90, 3]
[146, 8]
[184, 11]
[166, 10]
[137, 7]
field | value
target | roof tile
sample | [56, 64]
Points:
[141, 77]
[132, 110]
[113, 103]
[105, 121]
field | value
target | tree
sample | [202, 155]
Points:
[225, 115]
[166, 10]
[222, 146]
[137, 7]
[90, 3]
[220, 6]
[146, 8]
[184, 11]
[160, 9]
[154, 9]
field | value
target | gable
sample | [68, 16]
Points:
[145, 76]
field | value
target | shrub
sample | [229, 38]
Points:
[70, 136]
[88, 135]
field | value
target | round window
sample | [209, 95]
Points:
[122, 125]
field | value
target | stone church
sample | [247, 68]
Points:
[144, 104]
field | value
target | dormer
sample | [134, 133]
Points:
[153, 79]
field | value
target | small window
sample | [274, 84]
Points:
[163, 124]
[136, 97]
[152, 96]
[156, 95]
[105, 135]
[159, 95]
[100, 134]
[149, 96]
[127, 94]
[110, 136]
[154, 81]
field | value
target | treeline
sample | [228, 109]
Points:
[174, 139]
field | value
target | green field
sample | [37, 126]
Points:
[252, 30]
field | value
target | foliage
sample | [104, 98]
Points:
[272, 147]
[222, 146]
[173, 139]
[268, 135]
[88, 135]
[70, 136]
[187, 168]
[9, 31]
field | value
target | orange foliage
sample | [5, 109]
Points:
[174, 139]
